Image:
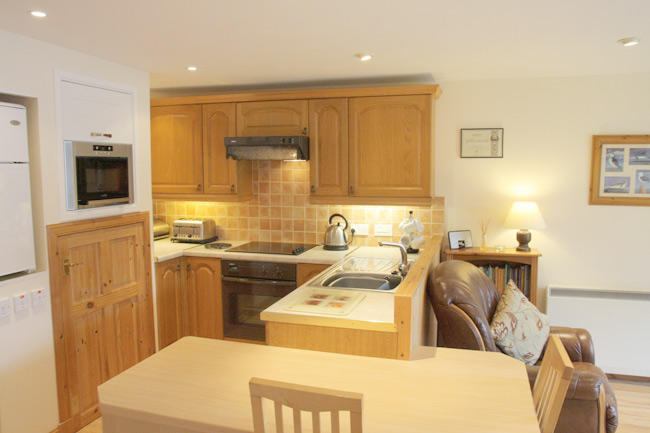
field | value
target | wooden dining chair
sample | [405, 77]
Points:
[304, 398]
[551, 384]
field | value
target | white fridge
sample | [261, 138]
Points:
[16, 228]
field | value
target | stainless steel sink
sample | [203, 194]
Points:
[362, 280]
[362, 273]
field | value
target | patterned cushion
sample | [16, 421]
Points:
[518, 327]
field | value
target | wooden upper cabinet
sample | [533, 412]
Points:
[221, 175]
[176, 149]
[328, 146]
[390, 146]
[272, 118]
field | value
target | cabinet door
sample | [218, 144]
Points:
[176, 149]
[328, 146]
[390, 146]
[222, 176]
[256, 119]
[169, 286]
[90, 113]
[307, 271]
[204, 311]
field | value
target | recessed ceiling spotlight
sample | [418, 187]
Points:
[38, 14]
[192, 68]
[364, 57]
[628, 42]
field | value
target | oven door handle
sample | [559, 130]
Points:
[254, 281]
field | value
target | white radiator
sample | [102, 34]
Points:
[618, 320]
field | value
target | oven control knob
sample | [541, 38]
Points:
[264, 272]
[278, 272]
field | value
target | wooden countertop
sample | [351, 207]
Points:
[201, 385]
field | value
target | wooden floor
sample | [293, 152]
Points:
[633, 408]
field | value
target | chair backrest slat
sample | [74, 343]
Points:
[552, 384]
[304, 398]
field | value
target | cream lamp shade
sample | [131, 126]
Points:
[524, 215]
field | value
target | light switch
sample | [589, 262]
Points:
[360, 229]
[5, 307]
[384, 229]
[38, 297]
[21, 303]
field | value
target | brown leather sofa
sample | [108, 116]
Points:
[464, 300]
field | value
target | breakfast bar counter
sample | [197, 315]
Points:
[384, 325]
[201, 385]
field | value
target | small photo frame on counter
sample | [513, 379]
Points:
[460, 239]
[481, 143]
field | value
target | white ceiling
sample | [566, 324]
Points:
[248, 43]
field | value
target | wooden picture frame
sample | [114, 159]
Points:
[481, 143]
[620, 170]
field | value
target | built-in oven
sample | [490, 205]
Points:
[250, 287]
[97, 174]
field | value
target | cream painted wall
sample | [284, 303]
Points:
[28, 395]
[548, 126]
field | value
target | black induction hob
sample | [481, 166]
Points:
[285, 248]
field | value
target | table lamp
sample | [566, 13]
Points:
[524, 215]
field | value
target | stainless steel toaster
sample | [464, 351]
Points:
[195, 230]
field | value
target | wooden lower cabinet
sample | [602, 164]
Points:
[188, 297]
[102, 310]
[170, 284]
[203, 297]
[307, 271]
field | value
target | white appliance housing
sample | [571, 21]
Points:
[16, 227]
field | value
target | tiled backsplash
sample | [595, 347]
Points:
[280, 210]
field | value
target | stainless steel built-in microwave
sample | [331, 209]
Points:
[97, 174]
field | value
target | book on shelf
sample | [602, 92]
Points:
[501, 274]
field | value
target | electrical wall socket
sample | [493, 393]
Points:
[5, 307]
[361, 229]
[383, 229]
[38, 297]
[21, 303]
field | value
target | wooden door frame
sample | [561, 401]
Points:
[54, 232]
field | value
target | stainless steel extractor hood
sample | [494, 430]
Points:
[267, 148]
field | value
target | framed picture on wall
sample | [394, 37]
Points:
[481, 143]
[460, 239]
[620, 170]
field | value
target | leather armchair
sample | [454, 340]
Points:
[464, 300]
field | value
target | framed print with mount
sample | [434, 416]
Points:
[481, 143]
[620, 170]
[460, 239]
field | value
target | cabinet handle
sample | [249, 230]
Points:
[232, 188]
[313, 189]
[178, 267]
[188, 267]
[101, 134]
[90, 304]
[198, 187]
[351, 189]
[304, 131]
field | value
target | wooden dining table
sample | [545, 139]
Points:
[201, 385]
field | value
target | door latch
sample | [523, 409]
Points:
[67, 265]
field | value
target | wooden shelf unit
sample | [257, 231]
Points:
[508, 259]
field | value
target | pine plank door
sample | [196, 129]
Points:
[104, 312]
